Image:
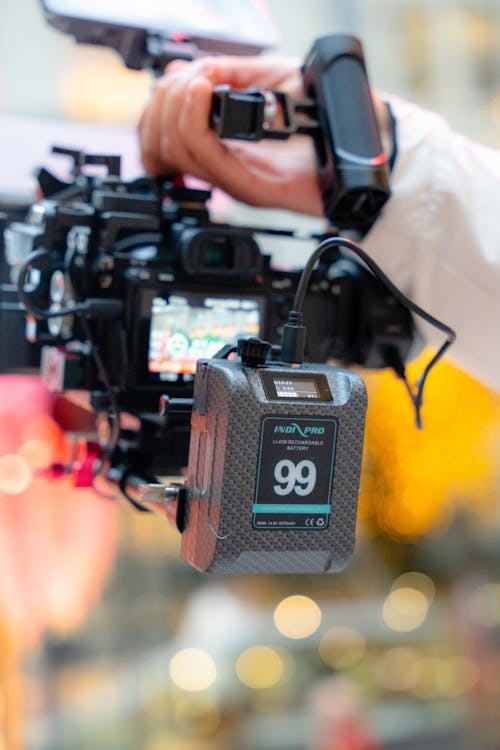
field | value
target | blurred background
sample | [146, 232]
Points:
[107, 639]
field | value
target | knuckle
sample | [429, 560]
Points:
[207, 66]
[167, 153]
[175, 65]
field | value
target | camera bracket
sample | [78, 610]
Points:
[250, 114]
[337, 112]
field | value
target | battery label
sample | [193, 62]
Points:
[295, 473]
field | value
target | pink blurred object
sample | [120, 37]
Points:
[83, 467]
[57, 543]
[336, 710]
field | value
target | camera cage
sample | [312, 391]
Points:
[369, 325]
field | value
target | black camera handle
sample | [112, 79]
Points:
[338, 113]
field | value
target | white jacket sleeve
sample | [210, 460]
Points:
[439, 235]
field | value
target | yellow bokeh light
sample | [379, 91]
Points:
[341, 648]
[399, 669]
[418, 581]
[405, 609]
[456, 676]
[260, 667]
[103, 90]
[297, 617]
[193, 670]
[166, 740]
[426, 688]
[15, 474]
[37, 453]
[199, 715]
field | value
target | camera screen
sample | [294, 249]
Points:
[185, 328]
[245, 21]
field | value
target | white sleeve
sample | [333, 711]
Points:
[438, 237]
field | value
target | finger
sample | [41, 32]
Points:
[211, 156]
[174, 137]
[158, 130]
[162, 147]
[242, 72]
[158, 115]
[175, 65]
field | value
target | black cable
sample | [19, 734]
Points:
[81, 310]
[296, 330]
[114, 411]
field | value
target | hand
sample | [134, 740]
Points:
[175, 135]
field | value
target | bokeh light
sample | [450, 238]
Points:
[456, 676]
[37, 453]
[484, 605]
[342, 647]
[426, 686]
[193, 670]
[200, 715]
[297, 617]
[15, 474]
[399, 669]
[42, 427]
[418, 581]
[405, 609]
[260, 667]
[107, 93]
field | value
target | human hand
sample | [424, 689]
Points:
[175, 135]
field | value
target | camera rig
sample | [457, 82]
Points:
[130, 291]
[127, 284]
[337, 113]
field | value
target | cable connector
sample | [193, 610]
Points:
[293, 340]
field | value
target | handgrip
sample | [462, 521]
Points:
[352, 167]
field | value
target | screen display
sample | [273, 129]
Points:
[183, 330]
[295, 387]
[288, 388]
[245, 21]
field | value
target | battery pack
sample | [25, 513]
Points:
[274, 466]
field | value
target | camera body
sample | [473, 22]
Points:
[137, 243]
[175, 287]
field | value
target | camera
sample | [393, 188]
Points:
[134, 295]
[139, 272]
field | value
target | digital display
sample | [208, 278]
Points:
[183, 331]
[300, 387]
[288, 388]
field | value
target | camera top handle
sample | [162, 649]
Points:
[338, 113]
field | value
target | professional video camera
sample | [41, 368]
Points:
[134, 295]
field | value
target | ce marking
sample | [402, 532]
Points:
[314, 521]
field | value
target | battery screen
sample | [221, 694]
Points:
[303, 387]
[296, 388]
